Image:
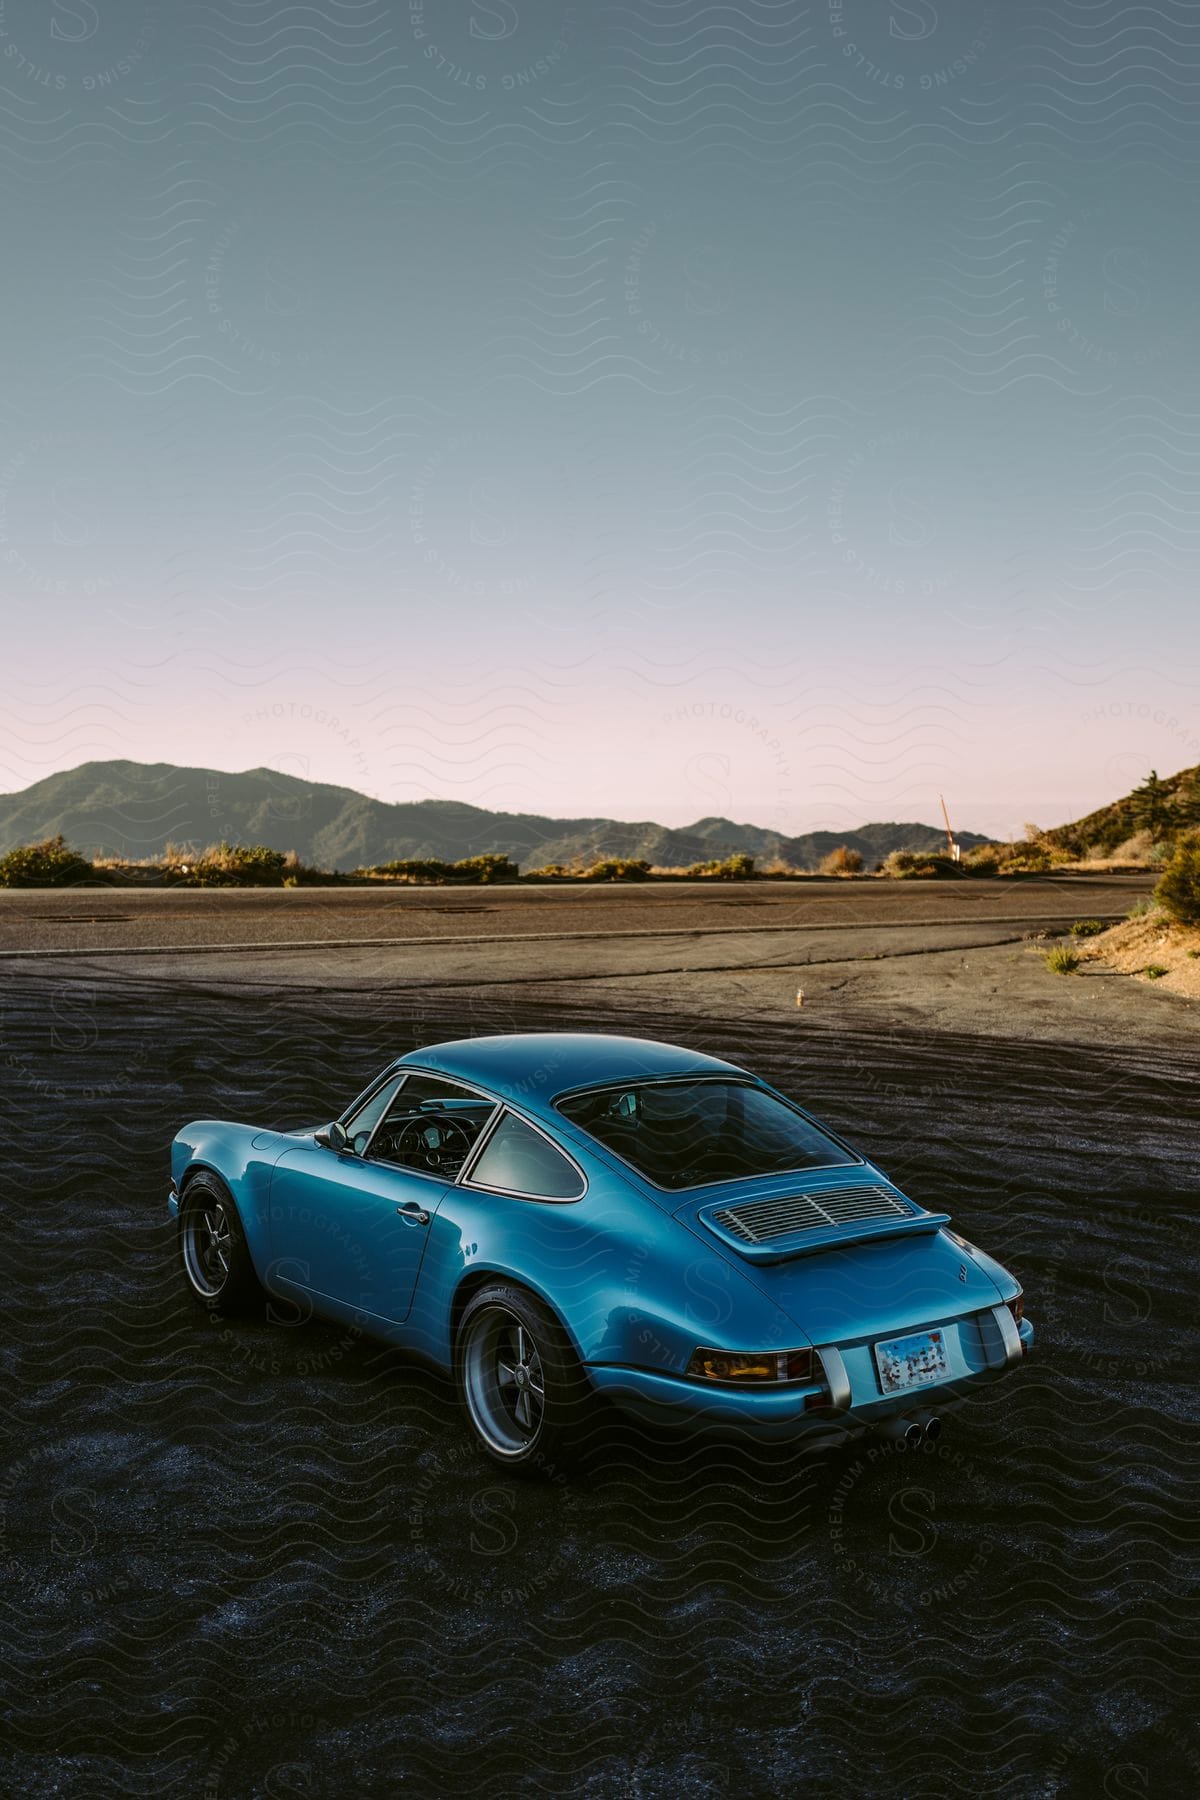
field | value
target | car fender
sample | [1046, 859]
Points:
[629, 1285]
[244, 1158]
[1005, 1282]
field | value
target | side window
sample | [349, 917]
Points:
[431, 1126]
[519, 1160]
[364, 1121]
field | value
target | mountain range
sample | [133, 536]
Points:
[133, 810]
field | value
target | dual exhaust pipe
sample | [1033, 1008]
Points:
[911, 1433]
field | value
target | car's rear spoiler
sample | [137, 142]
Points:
[808, 1240]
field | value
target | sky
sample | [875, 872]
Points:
[653, 410]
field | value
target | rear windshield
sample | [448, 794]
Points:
[684, 1134]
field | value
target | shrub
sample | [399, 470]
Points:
[901, 865]
[842, 861]
[738, 867]
[256, 862]
[1027, 856]
[52, 863]
[1156, 971]
[1178, 890]
[231, 865]
[1141, 908]
[488, 868]
[618, 868]
[1062, 960]
[984, 859]
[237, 865]
[413, 868]
[494, 866]
[1027, 859]
[1085, 928]
[922, 865]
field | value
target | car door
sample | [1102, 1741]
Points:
[350, 1229]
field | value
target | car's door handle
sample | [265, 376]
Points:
[414, 1214]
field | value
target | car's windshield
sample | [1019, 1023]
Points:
[684, 1134]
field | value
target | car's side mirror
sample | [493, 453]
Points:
[333, 1137]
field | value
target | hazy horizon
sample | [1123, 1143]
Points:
[778, 412]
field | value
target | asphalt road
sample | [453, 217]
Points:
[77, 920]
[960, 956]
[263, 1558]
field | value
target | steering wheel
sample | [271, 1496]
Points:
[433, 1142]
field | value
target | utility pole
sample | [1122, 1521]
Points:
[952, 847]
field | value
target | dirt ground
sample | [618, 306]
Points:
[1154, 950]
[264, 1559]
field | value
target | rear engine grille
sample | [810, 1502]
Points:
[763, 1220]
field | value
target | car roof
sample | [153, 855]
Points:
[531, 1067]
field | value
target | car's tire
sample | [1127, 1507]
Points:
[212, 1247]
[527, 1400]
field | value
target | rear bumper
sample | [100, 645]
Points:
[981, 1355]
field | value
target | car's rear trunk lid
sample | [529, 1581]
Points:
[778, 1218]
[842, 1252]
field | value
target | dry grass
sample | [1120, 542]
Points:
[1150, 942]
[842, 861]
[1132, 864]
[1062, 960]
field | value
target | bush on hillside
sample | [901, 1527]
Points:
[920, 865]
[52, 863]
[233, 865]
[618, 868]
[488, 868]
[904, 865]
[1137, 848]
[1027, 856]
[1027, 859]
[1178, 890]
[484, 869]
[842, 861]
[738, 867]
[984, 859]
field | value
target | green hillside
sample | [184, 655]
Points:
[133, 810]
[1162, 807]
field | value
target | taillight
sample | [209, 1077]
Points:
[1017, 1308]
[753, 1368]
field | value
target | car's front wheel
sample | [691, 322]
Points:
[212, 1246]
[525, 1395]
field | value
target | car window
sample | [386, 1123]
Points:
[431, 1126]
[362, 1124]
[685, 1134]
[519, 1160]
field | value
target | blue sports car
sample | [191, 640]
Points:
[555, 1216]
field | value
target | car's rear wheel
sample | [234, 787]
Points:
[525, 1395]
[212, 1246]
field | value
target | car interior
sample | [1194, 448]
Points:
[429, 1126]
[433, 1136]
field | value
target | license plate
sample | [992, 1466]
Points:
[910, 1362]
